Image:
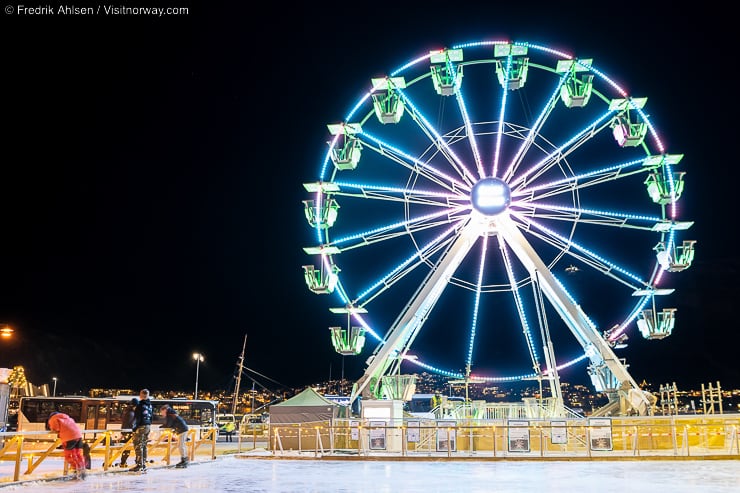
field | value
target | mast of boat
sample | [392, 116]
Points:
[239, 376]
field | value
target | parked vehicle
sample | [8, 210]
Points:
[254, 423]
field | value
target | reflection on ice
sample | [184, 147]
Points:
[265, 475]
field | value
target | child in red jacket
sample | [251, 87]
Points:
[71, 436]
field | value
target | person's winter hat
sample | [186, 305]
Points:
[134, 401]
[47, 419]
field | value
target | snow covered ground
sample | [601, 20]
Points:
[267, 475]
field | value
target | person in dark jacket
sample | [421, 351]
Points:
[128, 423]
[178, 425]
[143, 414]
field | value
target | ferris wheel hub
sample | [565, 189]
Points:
[490, 196]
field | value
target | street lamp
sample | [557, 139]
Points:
[198, 358]
[6, 331]
[54, 392]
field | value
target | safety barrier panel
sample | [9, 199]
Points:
[252, 437]
[596, 438]
[41, 450]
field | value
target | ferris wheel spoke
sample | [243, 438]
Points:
[552, 159]
[506, 69]
[587, 256]
[534, 132]
[437, 140]
[519, 304]
[594, 217]
[443, 215]
[415, 165]
[419, 257]
[470, 133]
[447, 79]
[581, 181]
[401, 195]
[367, 296]
[390, 231]
[476, 307]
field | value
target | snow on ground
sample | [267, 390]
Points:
[269, 475]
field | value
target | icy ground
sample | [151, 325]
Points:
[251, 475]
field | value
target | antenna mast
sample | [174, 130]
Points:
[239, 376]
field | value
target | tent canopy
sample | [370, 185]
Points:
[306, 407]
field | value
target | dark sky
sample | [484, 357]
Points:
[152, 173]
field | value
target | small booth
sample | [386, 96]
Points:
[383, 419]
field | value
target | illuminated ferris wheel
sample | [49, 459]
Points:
[496, 211]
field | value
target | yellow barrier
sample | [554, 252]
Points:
[252, 437]
[37, 447]
[594, 438]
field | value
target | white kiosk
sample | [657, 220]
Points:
[384, 421]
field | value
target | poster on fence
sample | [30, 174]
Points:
[558, 432]
[518, 436]
[413, 434]
[600, 433]
[446, 434]
[354, 429]
[377, 435]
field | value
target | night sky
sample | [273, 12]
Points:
[152, 173]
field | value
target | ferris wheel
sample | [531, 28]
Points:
[496, 211]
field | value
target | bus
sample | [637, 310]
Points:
[105, 413]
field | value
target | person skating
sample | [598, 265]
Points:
[128, 422]
[71, 436]
[143, 414]
[178, 425]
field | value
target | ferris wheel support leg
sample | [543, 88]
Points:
[407, 325]
[594, 346]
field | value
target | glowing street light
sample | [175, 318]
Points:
[198, 359]
[6, 331]
[54, 392]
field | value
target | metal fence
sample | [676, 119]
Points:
[602, 437]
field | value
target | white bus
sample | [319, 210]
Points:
[104, 413]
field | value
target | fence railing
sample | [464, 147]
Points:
[602, 437]
[252, 437]
[29, 452]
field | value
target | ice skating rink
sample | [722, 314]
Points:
[252, 475]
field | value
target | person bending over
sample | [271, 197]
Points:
[71, 436]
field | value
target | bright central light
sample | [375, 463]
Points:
[490, 196]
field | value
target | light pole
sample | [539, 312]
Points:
[198, 358]
[54, 392]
